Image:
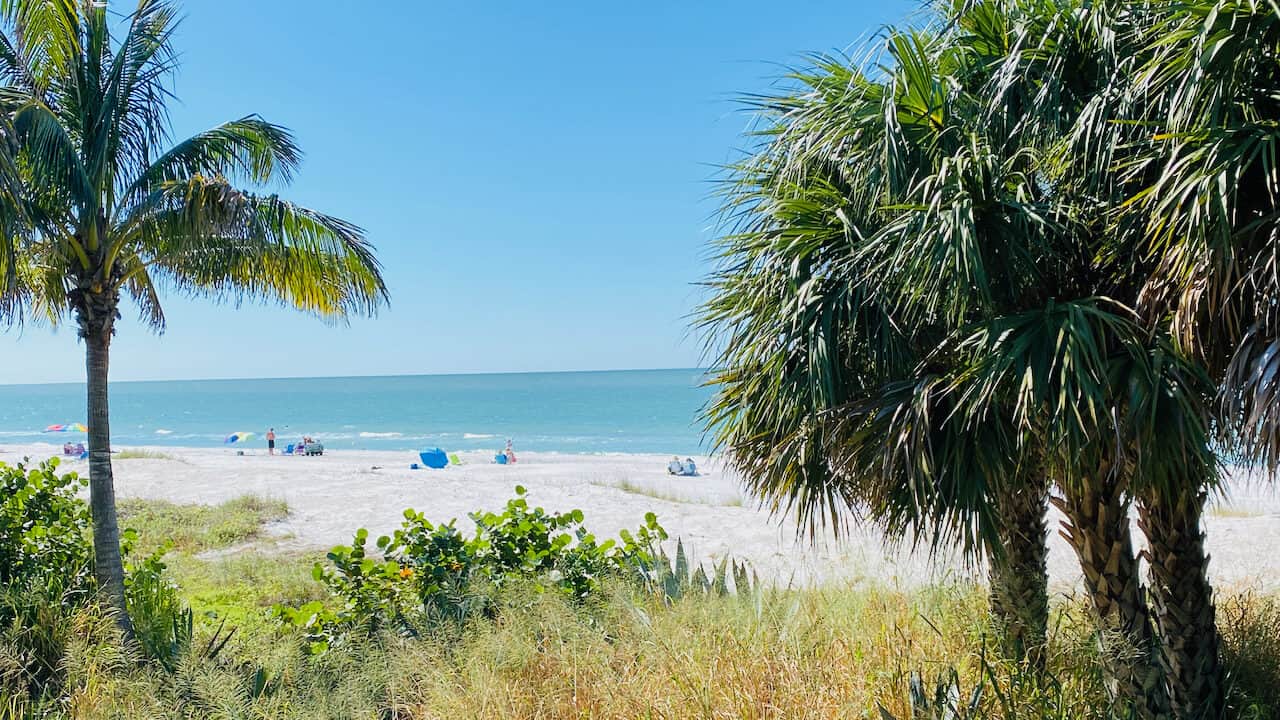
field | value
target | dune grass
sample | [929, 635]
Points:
[196, 528]
[142, 454]
[634, 488]
[1233, 511]
[839, 652]
[831, 652]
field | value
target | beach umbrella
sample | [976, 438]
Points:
[236, 437]
[69, 427]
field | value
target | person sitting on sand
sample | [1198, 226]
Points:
[78, 449]
[689, 467]
[511, 454]
[67, 449]
[674, 467]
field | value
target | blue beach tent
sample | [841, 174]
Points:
[434, 458]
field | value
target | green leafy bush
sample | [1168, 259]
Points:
[44, 545]
[46, 572]
[427, 574]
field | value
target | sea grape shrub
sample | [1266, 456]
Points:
[45, 576]
[555, 548]
[47, 586]
[44, 546]
[429, 573]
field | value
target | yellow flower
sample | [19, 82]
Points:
[406, 572]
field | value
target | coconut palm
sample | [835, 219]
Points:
[114, 209]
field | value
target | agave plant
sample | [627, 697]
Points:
[673, 578]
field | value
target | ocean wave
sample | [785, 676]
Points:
[381, 434]
[162, 431]
[477, 436]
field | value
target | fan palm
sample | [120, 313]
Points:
[814, 323]
[1206, 213]
[923, 315]
[114, 210]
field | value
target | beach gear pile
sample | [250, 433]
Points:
[436, 459]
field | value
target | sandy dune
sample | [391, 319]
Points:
[331, 496]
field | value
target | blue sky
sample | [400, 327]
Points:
[535, 176]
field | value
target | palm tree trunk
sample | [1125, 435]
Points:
[1182, 602]
[1018, 573]
[1097, 528]
[108, 566]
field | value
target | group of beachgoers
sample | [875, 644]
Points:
[506, 457]
[686, 468]
[298, 448]
[73, 450]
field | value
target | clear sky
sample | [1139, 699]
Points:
[535, 176]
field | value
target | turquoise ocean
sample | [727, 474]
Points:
[632, 411]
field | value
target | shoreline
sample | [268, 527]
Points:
[333, 495]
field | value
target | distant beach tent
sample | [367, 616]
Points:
[434, 458]
[237, 437]
[69, 427]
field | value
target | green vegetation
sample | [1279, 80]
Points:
[675, 648]
[194, 528]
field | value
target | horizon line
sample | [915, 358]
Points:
[462, 373]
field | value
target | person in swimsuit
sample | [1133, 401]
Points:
[271, 441]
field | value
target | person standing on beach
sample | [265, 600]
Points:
[271, 441]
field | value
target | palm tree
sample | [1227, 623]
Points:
[925, 295]
[1208, 211]
[113, 209]
[813, 324]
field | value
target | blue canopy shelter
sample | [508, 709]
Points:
[434, 458]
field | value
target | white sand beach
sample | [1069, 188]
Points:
[331, 496]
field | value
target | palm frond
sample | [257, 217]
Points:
[208, 237]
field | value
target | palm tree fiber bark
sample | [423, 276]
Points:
[1097, 528]
[1019, 574]
[1182, 603]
